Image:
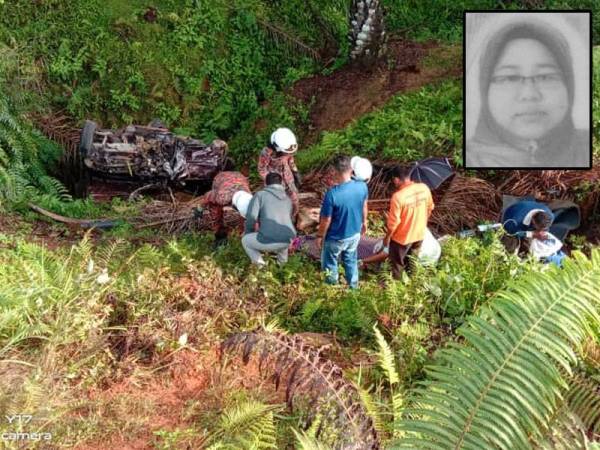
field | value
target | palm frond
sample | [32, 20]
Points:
[315, 382]
[283, 37]
[500, 386]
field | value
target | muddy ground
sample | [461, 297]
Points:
[339, 98]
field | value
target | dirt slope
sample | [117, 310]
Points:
[352, 91]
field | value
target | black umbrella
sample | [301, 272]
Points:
[431, 171]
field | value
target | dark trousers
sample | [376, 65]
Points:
[399, 254]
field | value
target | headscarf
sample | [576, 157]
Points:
[488, 130]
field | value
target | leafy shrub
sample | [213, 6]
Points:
[24, 157]
[410, 126]
[443, 20]
[423, 21]
[207, 66]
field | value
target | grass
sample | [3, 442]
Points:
[410, 126]
[92, 336]
[66, 319]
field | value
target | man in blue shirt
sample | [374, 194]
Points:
[343, 220]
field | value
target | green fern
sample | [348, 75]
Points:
[22, 171]
[565, 431]
[247, 425]
[107, 254]
[388, 365]
[583, 399]
[499, 387]
[306, 442]
[375, 409]
[386, 358]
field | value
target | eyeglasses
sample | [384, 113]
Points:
[544, 80]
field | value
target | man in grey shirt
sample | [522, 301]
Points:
[269, 226]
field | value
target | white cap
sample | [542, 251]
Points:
[363, 170]
[241, 200]
[284, 140]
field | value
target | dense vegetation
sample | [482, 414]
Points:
[81, 305]
[209, 68]
[101, 339]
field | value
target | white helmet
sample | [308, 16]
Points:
[241, 200]
[363, 170]
[284, 140]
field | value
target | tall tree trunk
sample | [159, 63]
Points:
[367, 32]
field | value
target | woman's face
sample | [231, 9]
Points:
[527, 95]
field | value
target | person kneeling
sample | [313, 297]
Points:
[269, 226]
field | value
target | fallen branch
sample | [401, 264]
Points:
[83, 223]
[164, 221]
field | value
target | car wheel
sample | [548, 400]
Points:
[87, 137]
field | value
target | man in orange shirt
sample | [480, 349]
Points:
[410, 208]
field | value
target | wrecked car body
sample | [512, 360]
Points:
[151, 153]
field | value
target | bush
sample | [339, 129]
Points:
[410, 126]
[206, 66]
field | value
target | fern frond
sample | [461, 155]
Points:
[386, 358]
[387, 363]
[260, 434]
[306, 442]
[591, 352]
[498, 388]
[248, 424]
[272, 326]
[373, 409]
[583, 399]
[566, 432]
[22, 173]
[83, 251]
[106, 255]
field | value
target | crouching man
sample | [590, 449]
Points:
[226, 187]
[269, 226]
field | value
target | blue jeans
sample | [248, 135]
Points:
[329, 260]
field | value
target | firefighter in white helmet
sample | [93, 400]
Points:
[278, 157]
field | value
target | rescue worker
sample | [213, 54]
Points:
[278, 157]
[228, 188]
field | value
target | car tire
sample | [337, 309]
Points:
[87, 137]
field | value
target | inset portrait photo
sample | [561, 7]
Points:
[527, 90]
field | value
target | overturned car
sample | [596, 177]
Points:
[151, 153]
